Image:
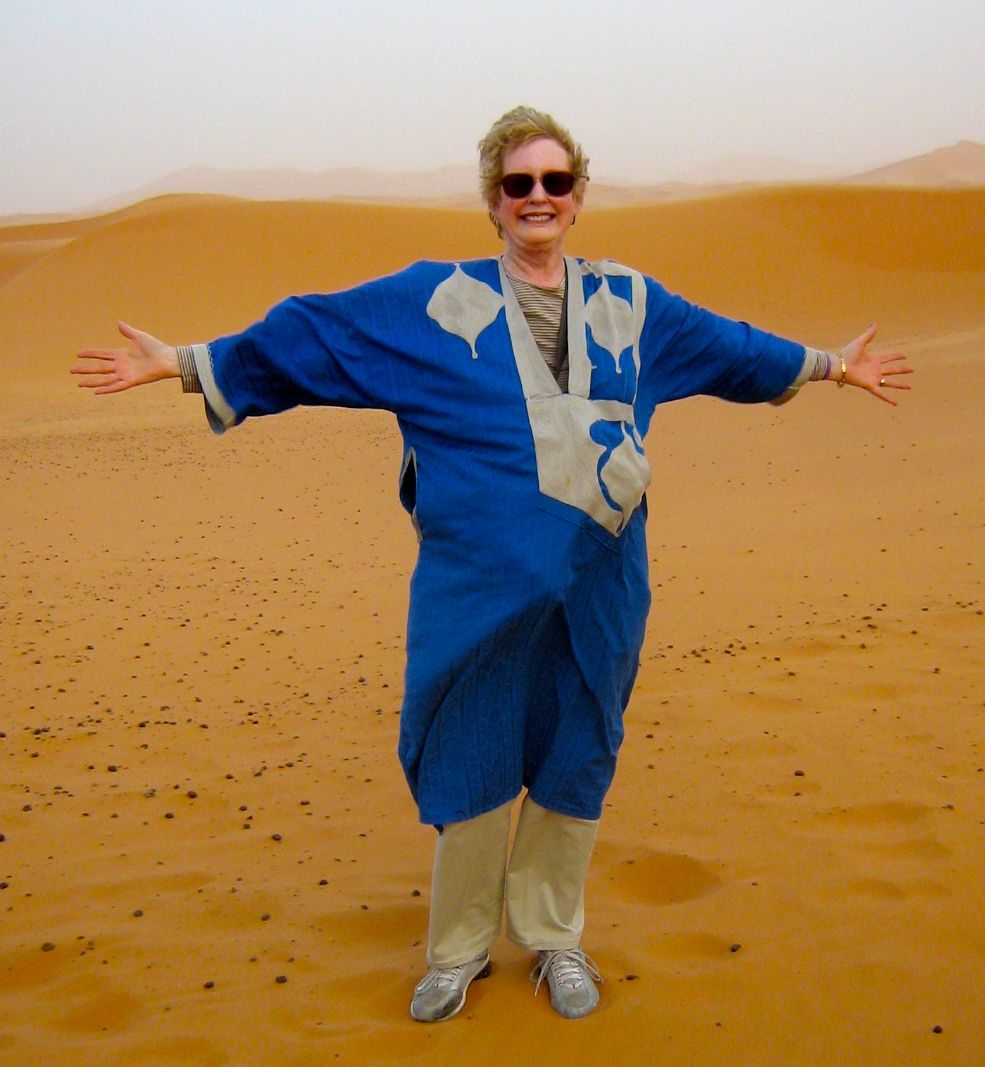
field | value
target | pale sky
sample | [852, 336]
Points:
[98, 97]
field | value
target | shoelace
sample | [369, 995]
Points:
[569, 965]
[443, 977]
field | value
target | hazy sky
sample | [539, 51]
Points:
[98, 97]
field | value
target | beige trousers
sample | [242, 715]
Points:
[542, 881]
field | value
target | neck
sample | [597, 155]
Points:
[545, 269]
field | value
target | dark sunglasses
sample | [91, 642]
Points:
[553, 182]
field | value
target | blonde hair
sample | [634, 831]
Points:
[516, 128]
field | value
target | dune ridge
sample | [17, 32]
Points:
[207, 852]
[455, 185]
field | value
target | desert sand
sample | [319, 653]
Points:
[207, 850]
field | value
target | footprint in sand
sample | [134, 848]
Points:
[897, 839]
[893, 828]
[377, 929]
[645, 876]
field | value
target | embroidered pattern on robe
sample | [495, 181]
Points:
[530, 594]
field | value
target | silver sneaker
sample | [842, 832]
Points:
[441, 993]
[571, 978]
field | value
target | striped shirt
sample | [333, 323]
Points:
[544, 311]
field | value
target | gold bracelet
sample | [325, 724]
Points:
[844, 370]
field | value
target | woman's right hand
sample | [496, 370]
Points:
[112, 370]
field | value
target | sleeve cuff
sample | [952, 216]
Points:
[813, 369]
[218, 411]
[189, 372]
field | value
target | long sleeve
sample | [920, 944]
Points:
[686, 350]
[357, 348]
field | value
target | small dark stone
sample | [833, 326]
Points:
[265, 916]
[735, 947]
[938, 1029]
[112, 768]
[47, 947]
[415, 892]
[191, 794]
[798, 774]
[281, 979]
[632, 977]
[275, 837]
[209, 985]
[138, 913]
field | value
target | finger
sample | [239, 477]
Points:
[859, 344]
[888, 383]
[97, 385]
[97, 353]
[82, 368]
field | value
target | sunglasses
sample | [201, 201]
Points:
[553, 182]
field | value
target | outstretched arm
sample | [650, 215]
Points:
[856, 365]
[112, 370]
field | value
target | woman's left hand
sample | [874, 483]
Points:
[875, 373]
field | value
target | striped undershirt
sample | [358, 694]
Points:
[543, 309]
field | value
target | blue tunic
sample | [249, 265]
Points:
[530, 593]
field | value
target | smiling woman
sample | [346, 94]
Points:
[520, 129]
[524, 386]
[533, 225]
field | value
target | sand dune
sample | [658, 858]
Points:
[207, 854]
[958, 164]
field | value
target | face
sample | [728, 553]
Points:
[536, 222]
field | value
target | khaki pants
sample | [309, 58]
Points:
[542, 881]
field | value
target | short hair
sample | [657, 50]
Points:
[516, 128]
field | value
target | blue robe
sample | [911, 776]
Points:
[530, 593]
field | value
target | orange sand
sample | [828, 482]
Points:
[202, 666]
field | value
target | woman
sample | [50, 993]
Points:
[523, 387]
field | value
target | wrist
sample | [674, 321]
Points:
[837, 369]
